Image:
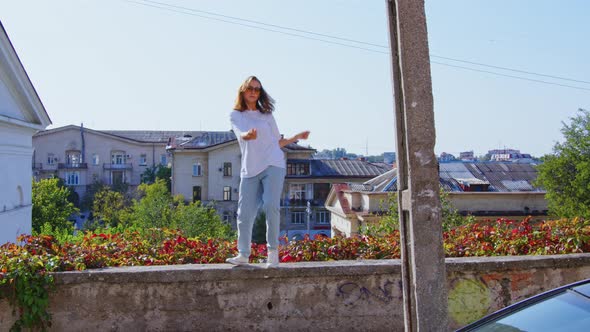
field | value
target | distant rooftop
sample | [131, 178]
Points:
[467, 176]
[328, 168]
[151, 136]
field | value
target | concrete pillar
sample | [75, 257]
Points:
[423, 262]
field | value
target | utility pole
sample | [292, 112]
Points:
[423, 261]
[308, 211]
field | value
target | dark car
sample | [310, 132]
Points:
[566, 308]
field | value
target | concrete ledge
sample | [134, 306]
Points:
[508, 263]
[216, 272]
[362, 295]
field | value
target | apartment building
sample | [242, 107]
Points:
[21, 115]
[81, 156]
[206, 168]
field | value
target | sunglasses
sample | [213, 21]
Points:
[253, 89]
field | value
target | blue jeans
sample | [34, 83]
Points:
[265, 188]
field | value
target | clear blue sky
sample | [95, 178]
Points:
[115, 64]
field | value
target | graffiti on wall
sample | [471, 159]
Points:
[469, 300]
[352, 292]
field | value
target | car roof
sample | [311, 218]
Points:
[581, 287]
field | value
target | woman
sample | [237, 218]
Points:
[263, 167]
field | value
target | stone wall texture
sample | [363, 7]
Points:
[315, 296]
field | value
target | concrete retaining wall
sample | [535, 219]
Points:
[318, 296]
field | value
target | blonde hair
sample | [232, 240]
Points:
[264, 104]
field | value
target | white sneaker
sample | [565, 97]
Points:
[238, 260]
[273, 258]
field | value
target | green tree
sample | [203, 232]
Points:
[108, 207]
[154, 207]
[565, 174]
[259, 229]
[91, 190]
[451, 218]
[151, 174]
[51, 205]
[198, 221]
[390, 221]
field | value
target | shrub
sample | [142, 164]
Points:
[51, 205]
[389, 222]
[108, 207]
[200, 222]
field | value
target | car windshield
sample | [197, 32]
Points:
[566, 311]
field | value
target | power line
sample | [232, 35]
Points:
[511, 76]
[359, 42]
[509, 69]
[266, 24]
[252, 26]
[192, 12]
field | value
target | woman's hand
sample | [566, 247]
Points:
[250, 134]
[302, 135]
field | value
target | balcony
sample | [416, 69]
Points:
[117, 166]
[72, 166]
[303, 202]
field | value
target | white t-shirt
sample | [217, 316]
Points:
[264, 151]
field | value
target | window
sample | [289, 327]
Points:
[73, 157]
[72, 178]
[227, 193]
[298, 217]
[142, 159]
[50, 159]
[95, 159]
[118, 158]
[322, 217]
[227, 217]
[163, 159]
[196, 193]
[298, 169]
[197, 169]
[297, 191]
[226, 169]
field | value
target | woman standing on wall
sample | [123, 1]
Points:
[263, 167]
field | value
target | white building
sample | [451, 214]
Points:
[21, 115]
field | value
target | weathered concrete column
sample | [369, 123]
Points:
[423, 265]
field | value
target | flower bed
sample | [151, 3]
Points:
[164, 247]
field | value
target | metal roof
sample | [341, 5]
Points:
[295, 146]
[506, 176]
[344, 168]
[205, 139]
[151, 136]
[382, 182]
[328, 168]
[500, 176]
